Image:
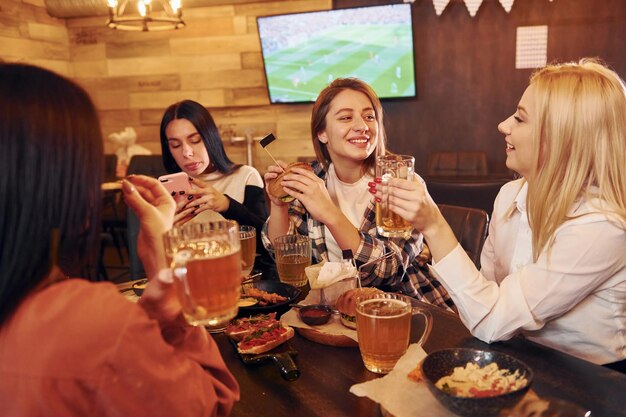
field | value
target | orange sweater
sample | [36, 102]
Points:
[81, 349]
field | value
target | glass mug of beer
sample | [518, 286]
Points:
[206, 263]
[293, 254]
[383, 326]
[247, 238]
[388, 223]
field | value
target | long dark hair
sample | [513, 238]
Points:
[51, 158]
[200, 117]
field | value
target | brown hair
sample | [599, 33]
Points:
[320, 110]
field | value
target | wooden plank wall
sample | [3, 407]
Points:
[133, 76]
[215, 60]
[28, 34]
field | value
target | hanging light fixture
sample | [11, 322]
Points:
[145, 20]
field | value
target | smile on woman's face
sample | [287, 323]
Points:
[186, 146]
[518, 131]
[351, 132]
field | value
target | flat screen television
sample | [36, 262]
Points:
[304, 52]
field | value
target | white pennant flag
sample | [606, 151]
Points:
[507, 4]
[440, 5]
[473, 6]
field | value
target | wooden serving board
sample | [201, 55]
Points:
[326, 339]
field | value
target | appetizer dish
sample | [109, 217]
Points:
[258, 334]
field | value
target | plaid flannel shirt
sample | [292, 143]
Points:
[399, 273]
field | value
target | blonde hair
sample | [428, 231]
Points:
[580, 145]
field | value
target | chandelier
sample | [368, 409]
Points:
[144, 20]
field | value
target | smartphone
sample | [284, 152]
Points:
[177, 184]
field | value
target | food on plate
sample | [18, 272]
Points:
[274, 188]
[247, 302]
[475, 382]
[265, 339]
[264, 298]
[346, 304]
[240, 328]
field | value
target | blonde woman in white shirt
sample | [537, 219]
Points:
[554, 264]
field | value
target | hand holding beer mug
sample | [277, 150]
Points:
[247, 238]
[293, 254]
[206, 262]
[388, 223]
[383, 326]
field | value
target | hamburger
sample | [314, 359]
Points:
[346, 304]
[275, 189]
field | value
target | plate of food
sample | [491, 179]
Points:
[474, 382]
[264, 297]
[261, 338]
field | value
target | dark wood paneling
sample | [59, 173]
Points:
[465, 68]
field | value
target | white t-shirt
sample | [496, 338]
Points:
[234, 184]
[352, 199]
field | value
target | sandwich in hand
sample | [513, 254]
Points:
[346, 304]
[275, 189]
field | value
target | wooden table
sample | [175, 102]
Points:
[328, 373]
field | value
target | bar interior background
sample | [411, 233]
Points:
[465, 68]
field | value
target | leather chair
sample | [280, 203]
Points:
[459, 164]
[475, 192]
[469, 226]
[150, 165]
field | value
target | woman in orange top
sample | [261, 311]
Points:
[67, 346]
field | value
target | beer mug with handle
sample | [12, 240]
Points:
[206, 262]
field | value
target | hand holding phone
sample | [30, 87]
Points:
[177, 184]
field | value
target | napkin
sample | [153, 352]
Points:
[329, 280]
[333, 327]
[399, 395]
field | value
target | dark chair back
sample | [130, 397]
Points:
[469, 226]
[476, 192]
[150, 165]
[110, 167]
[460, 164]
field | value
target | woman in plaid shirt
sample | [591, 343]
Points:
[333, 205]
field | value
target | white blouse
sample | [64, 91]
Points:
[573, 298]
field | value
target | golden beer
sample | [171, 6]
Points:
[291, 269]
[388, 223]
[211, 290]
[383, 329]
[247, 237]
[206, 264]
[293, 254]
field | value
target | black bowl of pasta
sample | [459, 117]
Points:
[473, 382]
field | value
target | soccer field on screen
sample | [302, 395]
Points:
[382, 56]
